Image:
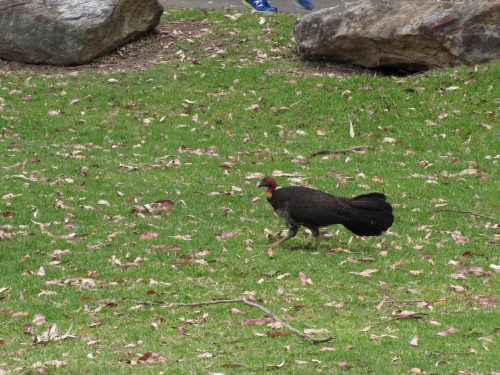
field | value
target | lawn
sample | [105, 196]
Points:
[124, 186]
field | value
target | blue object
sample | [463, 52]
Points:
[305, 4]
[262, 5]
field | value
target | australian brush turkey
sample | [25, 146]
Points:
[364, 215]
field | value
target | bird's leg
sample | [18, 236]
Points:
[292, 231]
[315, 233]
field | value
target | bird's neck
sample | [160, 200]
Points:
[270, 192]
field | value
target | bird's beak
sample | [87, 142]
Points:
[260, 184]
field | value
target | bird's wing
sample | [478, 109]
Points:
[313, 208]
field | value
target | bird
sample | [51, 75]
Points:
[364, 215]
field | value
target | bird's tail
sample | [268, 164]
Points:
[369, 215]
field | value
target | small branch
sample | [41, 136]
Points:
[288, 327]
[239, 300]
[343, 150]
[467, 213]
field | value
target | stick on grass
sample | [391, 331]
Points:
[466, 213]
[245, 302]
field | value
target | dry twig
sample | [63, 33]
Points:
[246, 302]
[466, 212]
[360, 149]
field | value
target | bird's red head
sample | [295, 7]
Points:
[270, 183]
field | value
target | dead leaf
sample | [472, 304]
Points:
[328, 349]
[414, 341]
[226, 235]
[148, 235]
[351, 129]
[457, 288]
[38, 319]
[53, 334]
[389, 140]
[488, 301]
[205, 355]
[450, 331]
[365, 273]
[236, 311]
[304, 279]
[276, 367]
[337, 304]
[282, 276]
[151, 357]
[382, 302]
[495, 268]
[254, 176]
[257, 322]
[314, 331]
[165, 247]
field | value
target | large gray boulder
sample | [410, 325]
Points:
[412, 35]
[71, 32]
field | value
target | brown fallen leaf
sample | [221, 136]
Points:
[337, 304]
[38, 319]
[304, 279]
[257, 322]
[165, 247]
[277, 366]
[315, 331]
[151, 357]
[205, 355]
[488, 301]
[382, 302]
[225, 235]
[414, 341]
[148, 235]
[366, 329]
[52, 334]
[327, 349]
[365, 273]
[457, 288]
[450, 331]
[237, 311]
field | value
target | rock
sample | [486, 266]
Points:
[411, 35]
[71, 32]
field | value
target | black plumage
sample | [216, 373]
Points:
[364, 215]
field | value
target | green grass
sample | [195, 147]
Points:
[139, 136]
